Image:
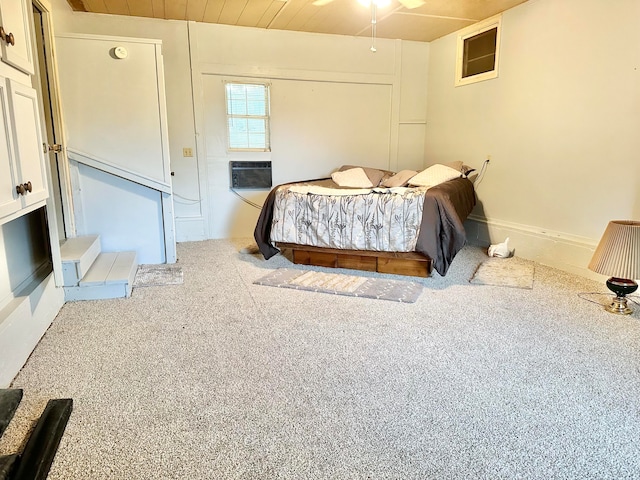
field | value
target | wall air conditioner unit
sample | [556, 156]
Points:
[250, 175]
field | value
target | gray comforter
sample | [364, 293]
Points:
[426, 221]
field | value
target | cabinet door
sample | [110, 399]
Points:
[9, 198]
[27, 141]
[16, 45]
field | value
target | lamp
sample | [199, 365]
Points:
[618, 255]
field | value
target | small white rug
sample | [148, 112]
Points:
[505, 272]
[329, 281]
[156, 275]
[341, 284]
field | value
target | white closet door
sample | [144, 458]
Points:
[113, 106]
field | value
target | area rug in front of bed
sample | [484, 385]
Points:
[341, 284]
[505, 272]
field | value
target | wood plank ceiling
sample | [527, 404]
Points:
[433, 19]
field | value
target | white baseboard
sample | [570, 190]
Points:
[190, 229]
[558, 250]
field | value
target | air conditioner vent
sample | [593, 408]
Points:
[250, 175]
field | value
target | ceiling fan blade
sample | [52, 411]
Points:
[320, 3]
[411, 3]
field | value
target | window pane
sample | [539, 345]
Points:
[480, 53]
[237, 133]
[257, 141]
[482, 44]
[247, 112]
[481, 65]
[256, 108]
[256, 125]
[237, 107]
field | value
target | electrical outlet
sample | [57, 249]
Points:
[187, 152]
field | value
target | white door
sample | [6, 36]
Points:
[52, 126]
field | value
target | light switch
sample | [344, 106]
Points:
[187, 152]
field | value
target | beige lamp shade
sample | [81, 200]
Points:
[618, 253]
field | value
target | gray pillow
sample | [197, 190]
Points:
[400, 179]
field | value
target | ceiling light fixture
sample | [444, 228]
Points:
[379, 3]
[374, 5]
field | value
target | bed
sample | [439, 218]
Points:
[408, 229]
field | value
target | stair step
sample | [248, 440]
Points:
[78, 254]
[110, 276]
[110, 268]
[9, 401]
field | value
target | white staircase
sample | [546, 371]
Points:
[90, 274]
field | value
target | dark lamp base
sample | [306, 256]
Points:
[621, 287]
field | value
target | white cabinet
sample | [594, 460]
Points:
[23, 181]
[10, 200]
[15, 38]
[27, 136]
[29, 298]
[22, 176]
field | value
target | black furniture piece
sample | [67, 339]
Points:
[35, 460]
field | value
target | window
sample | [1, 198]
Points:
[477, 54]
[248, 117]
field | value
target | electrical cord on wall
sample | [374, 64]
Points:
[246, 200]
[193, 201]
[480, 176]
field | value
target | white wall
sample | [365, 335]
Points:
[177, 74]
[333, 102]
[413, 104]
[391, 82]
[115, 119]
[560, 122]
[315, 128]
[104, 211]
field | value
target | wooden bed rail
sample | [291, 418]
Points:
[400, 263]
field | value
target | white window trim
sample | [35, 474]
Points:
[473, 30]
[267, 117]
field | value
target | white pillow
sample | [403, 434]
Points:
[434, 175]
[354, 178]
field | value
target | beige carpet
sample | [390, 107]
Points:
[220, 378]
[505, 272]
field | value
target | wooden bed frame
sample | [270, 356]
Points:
[400, 263]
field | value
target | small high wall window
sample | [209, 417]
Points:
[248, 117]
[477, 52]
